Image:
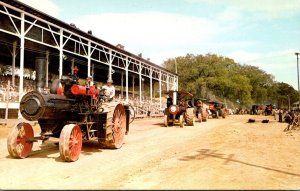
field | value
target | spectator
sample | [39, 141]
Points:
[289, 117]
[109, 90]
[280, 115]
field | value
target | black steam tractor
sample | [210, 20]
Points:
[217, 109]
[69, 114]
[180, 109]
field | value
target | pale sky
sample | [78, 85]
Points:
[263, 33]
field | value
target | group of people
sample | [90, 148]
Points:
[285, 116]
[289, 116]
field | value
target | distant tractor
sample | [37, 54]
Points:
[179, 109]
[217, 109]
[269, 109]
[254, 110]
[201, 110]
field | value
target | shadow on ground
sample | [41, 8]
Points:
[206, 153]
[46, 150]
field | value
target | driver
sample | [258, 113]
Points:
[109, 90]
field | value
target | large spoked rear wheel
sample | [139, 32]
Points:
[70, 142]
[116, 128]
[19, 140]
[190, 116]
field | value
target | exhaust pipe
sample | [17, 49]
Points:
[40, 68]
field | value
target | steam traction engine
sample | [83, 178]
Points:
[69, 114]
[179, 109]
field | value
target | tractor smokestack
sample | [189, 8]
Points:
[40, 68]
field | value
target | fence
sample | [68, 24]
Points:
[7, 108]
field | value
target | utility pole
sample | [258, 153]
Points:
[175, 66]
[297, 54]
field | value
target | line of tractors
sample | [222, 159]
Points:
[71, 113]
[184, 109]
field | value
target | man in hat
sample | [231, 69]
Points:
[109, 90]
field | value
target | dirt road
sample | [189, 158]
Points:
[219, 154]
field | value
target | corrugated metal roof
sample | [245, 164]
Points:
[67, 26]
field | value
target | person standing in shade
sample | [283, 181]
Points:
[280, 115]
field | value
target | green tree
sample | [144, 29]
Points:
[284, 92]
[227, 80]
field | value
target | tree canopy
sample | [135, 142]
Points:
[216, 77]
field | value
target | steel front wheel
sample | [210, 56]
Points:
[19, 141]
[70, 142]
[190, 116]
